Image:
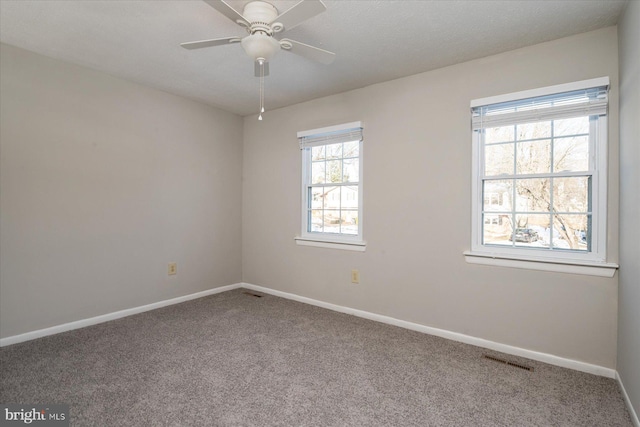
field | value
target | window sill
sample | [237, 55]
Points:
[602, 269]
[358, 246]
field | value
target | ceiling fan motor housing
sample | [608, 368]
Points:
[260, 15]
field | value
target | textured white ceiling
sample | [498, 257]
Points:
[374, 41]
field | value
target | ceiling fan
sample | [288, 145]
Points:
[262, 21]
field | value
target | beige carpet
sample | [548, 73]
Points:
[237, 360]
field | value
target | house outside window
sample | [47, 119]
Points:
[539, 176]
[332, 186]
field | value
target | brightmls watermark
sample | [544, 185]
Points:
[35, 415]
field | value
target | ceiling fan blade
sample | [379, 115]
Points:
[299, 13]
[224, 8]
[257, 69]
[309, 52]
[209, 43]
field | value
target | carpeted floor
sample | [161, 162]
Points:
[237, 360]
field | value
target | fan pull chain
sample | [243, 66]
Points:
[261, 62]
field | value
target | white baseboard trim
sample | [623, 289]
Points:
[627, 401]
[455, 336]
[15, 339]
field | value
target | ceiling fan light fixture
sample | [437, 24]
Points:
[259, 45]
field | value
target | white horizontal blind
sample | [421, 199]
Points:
[334, 135]
[591, 101]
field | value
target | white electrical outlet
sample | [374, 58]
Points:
[173, 269]
[355, 276]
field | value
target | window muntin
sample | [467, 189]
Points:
[332, 190]
[540, 176]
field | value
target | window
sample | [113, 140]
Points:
[332, 186]
[540, 170]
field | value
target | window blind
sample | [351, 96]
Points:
[584, 102]
[332, 135]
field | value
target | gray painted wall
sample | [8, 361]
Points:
[103, 182]
[417, 163]
[629, 294]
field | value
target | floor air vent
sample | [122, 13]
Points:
[252, 294]
[506, 362]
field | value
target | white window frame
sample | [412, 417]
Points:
[593, 262]
[329, 240]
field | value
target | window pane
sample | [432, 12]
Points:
[533, 157]
[497, 229]
[331, 197]
[571, 154]
[316, 221]
[351, 149]
[500, 134]
[573, 126]
[317, 153]
[533, 195]
[349, 222]
[571, 194]
[498, 159]
[334, 151]
[497, 195]
[571, 232]
[334, 171]
[532, 230]
[316, 198]
[533, 130]
[349, 197]
[318, 172]
[332, 221]
[351, 170]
